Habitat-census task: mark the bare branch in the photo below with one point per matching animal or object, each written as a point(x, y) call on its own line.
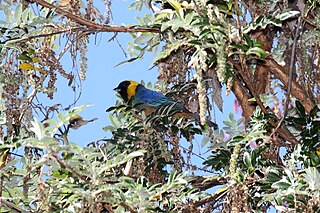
point(90, 24)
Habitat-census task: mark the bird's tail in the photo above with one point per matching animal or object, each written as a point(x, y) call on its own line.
point(183, 112)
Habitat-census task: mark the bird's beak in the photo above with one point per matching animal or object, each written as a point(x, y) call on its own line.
point(116, 89)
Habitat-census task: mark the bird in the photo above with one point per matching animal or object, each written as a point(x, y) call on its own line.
point(149, 100)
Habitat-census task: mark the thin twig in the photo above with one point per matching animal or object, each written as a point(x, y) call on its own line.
point(63, 163)
point(206, 182)
point(1, 187)
point(186, 149)
point(23, 106)
point(55, 32)
point(70, 44)
point(290, 78)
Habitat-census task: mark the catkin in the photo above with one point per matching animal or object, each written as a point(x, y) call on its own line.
point(202, 97)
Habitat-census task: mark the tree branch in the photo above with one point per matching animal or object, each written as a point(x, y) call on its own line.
point(11, 206)
point(243, 99)
point(214, 198)
point(67, 166)
point(297, 91)
point(206, 182)
point(283, 131)
point(90, 24)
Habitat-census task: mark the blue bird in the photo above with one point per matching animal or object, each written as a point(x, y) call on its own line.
point(150, 100)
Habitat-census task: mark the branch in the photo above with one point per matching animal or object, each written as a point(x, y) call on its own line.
point(214, 198)
point(206, 182)
point(10, 205)
point(90, 24)
point(243, 99)
point(56, 32)
point(261, 75)
point(127, 207)
point(67, 166)
point(23, 107)
point(297, 91)
point(283, 131)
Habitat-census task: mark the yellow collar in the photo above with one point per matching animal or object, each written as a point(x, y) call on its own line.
point(131, 90)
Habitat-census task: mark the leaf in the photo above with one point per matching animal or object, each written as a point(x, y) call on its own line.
point(175, 4)
point(8, 14)
point(25, 57)
point(289, 175)
point(239, 46)
point(172, 177)
point(35, 60)
point(25, 15)
point(312, 178)
point(248, 40)
point(217, 92)
point(109, 128)
point(281, 185)
point(258, 44)
point(300, 108)
point(40, 70)
point(247, 159)
point(111, 108)
point(26, 66)
point(204, 141)
point(257, 51)
point(17, 13)
point(38, 129)
point(143, 38)
point(262, 22)
point(119, 160)
point(287, 15)
point(9, 166)
point(134, 155)
point(167, 52)
point(64, 3)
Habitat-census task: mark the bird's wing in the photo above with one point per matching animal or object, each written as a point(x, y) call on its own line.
point(150, 98)
point(153, 98)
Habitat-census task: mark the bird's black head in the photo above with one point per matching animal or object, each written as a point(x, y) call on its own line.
point(122, 89)
point(127, 89)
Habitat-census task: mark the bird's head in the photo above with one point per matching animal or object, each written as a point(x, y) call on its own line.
point(127, 89)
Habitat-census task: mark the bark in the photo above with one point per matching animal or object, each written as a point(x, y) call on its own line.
point(297, 90)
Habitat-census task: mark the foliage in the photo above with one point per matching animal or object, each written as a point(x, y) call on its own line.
point(55, 176)
point(265, 52)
